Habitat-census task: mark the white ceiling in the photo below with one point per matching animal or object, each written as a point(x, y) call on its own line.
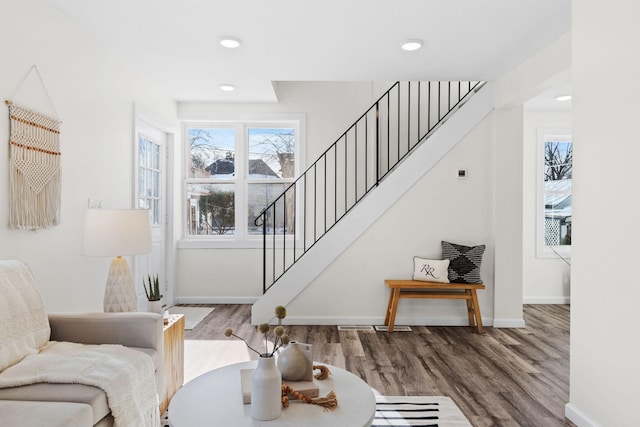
point(175, 42)
point(546, 101)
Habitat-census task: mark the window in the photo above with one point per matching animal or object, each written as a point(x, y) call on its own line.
point(235, 170)
point(555, 181)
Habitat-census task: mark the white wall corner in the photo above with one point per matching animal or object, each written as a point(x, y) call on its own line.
point(509, 323)
point(578, 417)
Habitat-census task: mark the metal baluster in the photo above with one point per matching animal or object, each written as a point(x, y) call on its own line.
point(264, 251)
point(377, 143)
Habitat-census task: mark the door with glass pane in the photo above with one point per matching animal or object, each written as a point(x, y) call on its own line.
point(151, 195)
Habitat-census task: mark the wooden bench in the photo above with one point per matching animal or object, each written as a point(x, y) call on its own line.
point(418, 289)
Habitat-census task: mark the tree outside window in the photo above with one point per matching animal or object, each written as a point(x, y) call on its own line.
point(271, 158)
point(555, 202)
point(558, 160)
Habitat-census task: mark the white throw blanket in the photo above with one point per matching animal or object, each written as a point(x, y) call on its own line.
point(128, 379)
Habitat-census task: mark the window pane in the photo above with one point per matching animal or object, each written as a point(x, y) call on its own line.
point(558, 160)
point(212, 153)
point(156, 184)
point(557, 231)
point(156, 156)
point(155, 217)
point(142, 188)
point(148, 184)
point(262, 195)
point(271, 153)
point(142, 147)
point(149, 150)
point(211, 208)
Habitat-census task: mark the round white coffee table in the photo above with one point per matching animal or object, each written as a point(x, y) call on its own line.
point(215, 398)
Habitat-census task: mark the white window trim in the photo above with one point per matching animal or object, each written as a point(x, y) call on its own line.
point(542, 250)
point(250, 119)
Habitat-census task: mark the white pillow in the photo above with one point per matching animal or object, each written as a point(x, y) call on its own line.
point(431, 270)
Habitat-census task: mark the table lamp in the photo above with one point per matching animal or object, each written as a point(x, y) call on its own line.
point(116, 233)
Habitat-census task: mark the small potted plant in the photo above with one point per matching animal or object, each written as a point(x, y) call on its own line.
point(152, 290)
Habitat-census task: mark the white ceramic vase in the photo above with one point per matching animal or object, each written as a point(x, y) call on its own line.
point(266, 390)
point(295, 362)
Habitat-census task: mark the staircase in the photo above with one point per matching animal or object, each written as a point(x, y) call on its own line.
point(388, 149)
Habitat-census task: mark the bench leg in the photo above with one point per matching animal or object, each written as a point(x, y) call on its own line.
point(386, 318)
point(392, 307)
point(470, 310)
point(476, 308)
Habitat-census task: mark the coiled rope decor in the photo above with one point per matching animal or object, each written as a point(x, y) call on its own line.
point(35, 173)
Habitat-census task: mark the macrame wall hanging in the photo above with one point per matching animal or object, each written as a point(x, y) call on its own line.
point(34, 166)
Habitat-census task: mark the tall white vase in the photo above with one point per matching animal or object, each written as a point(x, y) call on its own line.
point(266, 390)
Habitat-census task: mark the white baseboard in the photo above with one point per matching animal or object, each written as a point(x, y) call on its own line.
point(577, 417)
point(439, 322)
point(327, 320)
point(546, 300)
point(377, 321)
point(216, 300)
point(322, 320)
point(508, 323)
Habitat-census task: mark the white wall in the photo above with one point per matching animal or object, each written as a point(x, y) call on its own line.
point(545, 280)
point(94, 93)
point(605, 348)
point(508, 217)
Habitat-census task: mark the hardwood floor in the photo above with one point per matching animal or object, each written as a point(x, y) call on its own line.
point(505, 377)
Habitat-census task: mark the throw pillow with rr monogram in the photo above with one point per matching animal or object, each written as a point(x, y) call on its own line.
point(431, 270)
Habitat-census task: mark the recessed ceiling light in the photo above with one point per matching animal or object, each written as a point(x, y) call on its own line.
point(563, 97)
point(227, 87)
point(412, 44)
point(230, 42)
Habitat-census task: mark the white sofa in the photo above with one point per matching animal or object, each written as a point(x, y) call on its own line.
point(142, 331)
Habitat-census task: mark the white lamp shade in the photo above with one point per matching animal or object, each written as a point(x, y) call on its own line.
point(116, 232)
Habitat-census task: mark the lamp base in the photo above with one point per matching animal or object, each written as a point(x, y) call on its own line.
point(120, 292)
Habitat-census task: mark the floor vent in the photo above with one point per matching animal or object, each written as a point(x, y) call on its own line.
point(355, 328)
point(396, 328)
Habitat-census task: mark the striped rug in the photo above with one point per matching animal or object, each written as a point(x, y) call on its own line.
point(424, 411)
point(399, 411)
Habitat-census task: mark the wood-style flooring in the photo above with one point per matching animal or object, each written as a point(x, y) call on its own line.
point(505, 377)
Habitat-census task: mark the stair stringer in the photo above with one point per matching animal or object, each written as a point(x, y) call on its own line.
point(374, 204)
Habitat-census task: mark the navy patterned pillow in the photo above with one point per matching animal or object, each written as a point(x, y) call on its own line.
point(464, 262)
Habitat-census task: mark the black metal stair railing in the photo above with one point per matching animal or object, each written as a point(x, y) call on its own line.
point(352, 166)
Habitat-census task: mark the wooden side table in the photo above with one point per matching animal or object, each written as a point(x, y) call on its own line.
point(173, 357)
